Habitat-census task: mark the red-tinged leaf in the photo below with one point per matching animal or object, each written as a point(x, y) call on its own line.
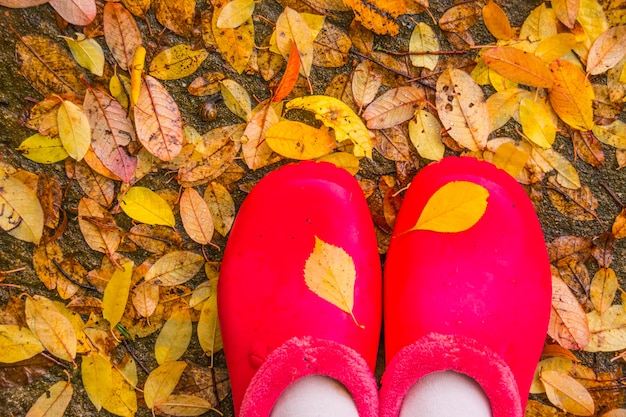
point(519, 66)
point(566, 11)
point(607, 51)
point(76, 12)
point(53, 402)
point(393, 107)
point(290, 76)
point(111, 131)
point(571, 95)
point(121, 33)
point(196, 217)
point(158, 121)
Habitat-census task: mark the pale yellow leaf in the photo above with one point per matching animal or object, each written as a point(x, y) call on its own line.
point(592, 18)
point(209, 334)
point(425, 134)
point(74, 129)
point(116, 294)
point(87, 52)
point(43, 149)
point(536, 122)
point(55, 331)
point(122, 400)
point(603, 288)
point(236, 99)
point(330, 273)
point(146, 206)
point(540, 23)
point(567, 393)
point(53, 402)
point(423, 39)
point(17, 343)
point(184, 405)
point(510, 158)
point(235, 13)
point(97, 376)
point(297, 140)
point(292, 27)
point(613, 134)
point(344, 160)
point(174, 337)
point(221, 205)
point(174, 268)
point(176, 62)
point(21, 213)
point(568, 323)
point(608, 330)
point(549, 364)
point(162, 381)
point(501, 106)
point(196, 216)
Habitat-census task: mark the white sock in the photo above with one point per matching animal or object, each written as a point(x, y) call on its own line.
point(446, 394)
point(315, 396)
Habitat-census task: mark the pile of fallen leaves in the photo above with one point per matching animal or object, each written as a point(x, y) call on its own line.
point(106, 114)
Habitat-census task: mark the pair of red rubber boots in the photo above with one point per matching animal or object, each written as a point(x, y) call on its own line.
point(466, 287)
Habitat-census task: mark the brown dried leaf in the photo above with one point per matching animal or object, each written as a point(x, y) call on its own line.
point(98, 227)
point(393, 107)
point(378, 15)
point(393, 143)
point(576, 275)
point(607, 51)
point(366, 81)
point(50, 195)
point(155, 238)
point(568, 323)
point(96, 186)
point(196, 216)
point(331, 47)
point(221, 205)
point(569, 247)
point(460, 18)
point(206, 84)
point(579, 204)
point(604, 249)
point(174, 268)
point(589, 150)
point(121, 34)
point(44, 257)
point(177, 16)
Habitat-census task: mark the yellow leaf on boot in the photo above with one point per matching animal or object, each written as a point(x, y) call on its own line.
point(453, 208)
point(330, 273)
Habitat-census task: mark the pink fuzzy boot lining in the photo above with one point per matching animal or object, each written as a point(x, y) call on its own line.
point(434, 353)
point(302, 356)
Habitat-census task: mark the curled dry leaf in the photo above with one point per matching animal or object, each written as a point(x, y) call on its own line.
point(462, 109)
point(297, 140)
point(53, 402)
point(174, 337)
point(121, 34)
point(174, 268)
point(568, 323)
point(196, 216)
point(567, 393)
point(393, 107)
point(206, 84)
point(158, 121)
point(176, 62)
point(366, 80)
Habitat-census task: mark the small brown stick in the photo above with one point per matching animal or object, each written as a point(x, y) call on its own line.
point(612, 194)
point(70, 279)
point(135, 358)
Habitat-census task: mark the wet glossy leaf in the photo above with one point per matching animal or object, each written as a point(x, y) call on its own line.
point(74, 129)
point(20, 211)
point(162, 381)
point(519, 66)
point(236, 98)
point(174, 337)
point(568, 323)
point(176, 62)
point(330, 273)
point(366, 80)
point(425, 134)
point(209, 335)
point(87, 52)
point(497, 21)
point(560, 364)
point(184, 405)
point(158, 121)
point(177, 16)
point(18, 343)
point(236, 44)
point(462, 109)
point(297, 140)
point(43, 149)
point(144, 205)
point(53, 402)
point(603, 288)
point(112, 131)
point(608, 330)
point(175, 268)
point(116, 294)
point(196, 216)
point(76, 12)
point(98, 227)
point(97, 376)
point(121, 34)
point(567, 393)
point(344, 160)
point(55, 332)
point(337, 115)
point(571, 95)
point(393, 107)
point(235, 13)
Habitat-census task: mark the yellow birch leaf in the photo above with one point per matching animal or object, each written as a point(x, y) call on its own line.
point(136, 72)
point(603, 288)
point(221, 205)
point(497, 21)
point(20, 210)
point(53, 402)
point(236, 99)
point(567, 175)
point(571, 95)
point(116, 294)
point(613, 134)
point(18, 343)
point(201, 293)
point(453, 208)
point(87, 52)
point(236, 45)
point(519, 66)
point(119, 86)
point(123, 399)
point(146, 298)
point(536, 123)
point(209, 335)
point(607, 51)
point(97, 376)
point(98, 227)
point(255, 150)
point(174, 268)
point(393, 107)
point(501, 106)
point(608, 330)
point(510, 158)
point(344, 160)
point(423, 39)
point(74, 129)
point(292, 27)
point(184, 405)
point(568, 324)
point(162, 381)
point(425, 134)
point(549, 364)
point(462, 110)
point(555, 46)
point(540, 23)
point(55, 332)
point(176, 62)
point(297, 140)
point(196, 216)
point(566, 11)
point(336, 114)
point(174, 337)
point(567, 393)
point(235, 13)
point(43, 149)
point(330, 273)
point(146, 206)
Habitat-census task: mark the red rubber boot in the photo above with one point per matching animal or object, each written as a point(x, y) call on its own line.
point(277, 330)
point(476, 301)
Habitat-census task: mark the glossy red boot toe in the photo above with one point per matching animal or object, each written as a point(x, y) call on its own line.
point(275, 328)
point(475, 301)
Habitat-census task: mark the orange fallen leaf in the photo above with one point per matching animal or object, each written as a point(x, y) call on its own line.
point(571, 95)
point(519, 66)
